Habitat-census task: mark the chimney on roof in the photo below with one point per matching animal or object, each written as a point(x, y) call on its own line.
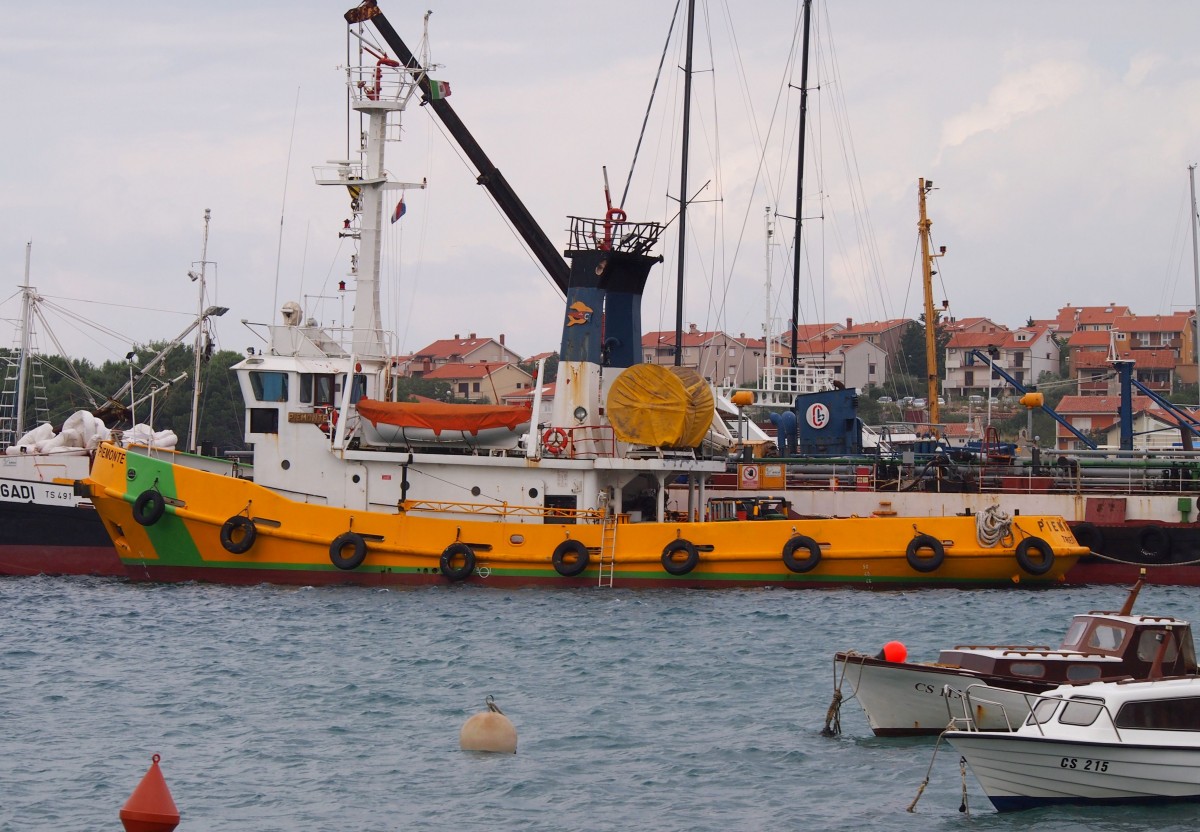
point(849, 323)
point(693, 329)
point(502, 339)
point(456, 336)
point(472, 336)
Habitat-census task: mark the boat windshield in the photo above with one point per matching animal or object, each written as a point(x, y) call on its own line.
point(1071, 641)
point(1106, 637)
point(1081, 710)
point(1042, 711)
point(1149, 643)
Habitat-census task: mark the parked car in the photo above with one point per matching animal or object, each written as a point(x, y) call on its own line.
point(885, 399)
point(906, 401)
point(919, 403)
point(941, 402)
point(975, 399)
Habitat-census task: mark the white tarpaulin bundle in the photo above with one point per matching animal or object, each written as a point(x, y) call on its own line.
point(84, 432)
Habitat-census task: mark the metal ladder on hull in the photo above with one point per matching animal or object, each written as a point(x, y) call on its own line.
point(608, 551)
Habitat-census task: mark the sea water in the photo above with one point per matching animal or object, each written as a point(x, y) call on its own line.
point(340, 708)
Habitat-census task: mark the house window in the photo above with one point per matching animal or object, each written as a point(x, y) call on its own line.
point(969, 378)
point(475, 387)
point(870, 369)
point(1018, 359)
point(1144, 338)
point(1019, 375)
point(1164, 339)
point(732, 371)
point(464, 388)
point(732, 352)
point(1120, 336)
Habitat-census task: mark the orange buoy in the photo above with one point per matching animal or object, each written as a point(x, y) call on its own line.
point(150, 807)
point(893, 651)
point(490, 730)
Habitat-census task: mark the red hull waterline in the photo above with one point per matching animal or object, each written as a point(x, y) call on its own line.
point(24, 560)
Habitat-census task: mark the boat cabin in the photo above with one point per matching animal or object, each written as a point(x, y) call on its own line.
point(1097, 646)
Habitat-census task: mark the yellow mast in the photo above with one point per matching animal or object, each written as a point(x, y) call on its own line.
point(924, 186)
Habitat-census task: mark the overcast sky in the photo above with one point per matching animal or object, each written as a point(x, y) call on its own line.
point(1058, 136)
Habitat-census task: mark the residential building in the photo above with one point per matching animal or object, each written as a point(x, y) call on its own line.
point(481, 381)
point(1091, 415)
point(457, 350)
point(1025, 354)
point(719, 357)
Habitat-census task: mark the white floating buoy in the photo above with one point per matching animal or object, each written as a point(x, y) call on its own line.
point(489, 730)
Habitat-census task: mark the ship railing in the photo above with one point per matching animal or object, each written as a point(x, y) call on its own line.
point(504, 511)
point(611, 234)
point(590, 442)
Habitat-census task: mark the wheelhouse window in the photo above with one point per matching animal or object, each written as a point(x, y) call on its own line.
point(1082, 673)
point(269, 386)
point(1042, 711)
point(1181, 714)
point(1032, 670)
point(316, 389)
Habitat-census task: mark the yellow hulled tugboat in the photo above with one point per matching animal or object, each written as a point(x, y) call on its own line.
point(352, 487)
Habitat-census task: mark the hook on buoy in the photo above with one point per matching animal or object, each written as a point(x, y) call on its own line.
point(150, 808)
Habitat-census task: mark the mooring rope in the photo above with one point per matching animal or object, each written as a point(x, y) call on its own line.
point(992, 525)
point(912, 807)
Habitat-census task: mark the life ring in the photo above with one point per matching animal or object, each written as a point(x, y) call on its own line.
point(923, 563)
point(148, 508)
point(458, 550)
point(555, 441)
point(338, 546)
point(680, 567)
point(1045, 555)
point(1089, 535)
point(801, 542)
point(248, 534)
point(566, 567)
point(1155, 543)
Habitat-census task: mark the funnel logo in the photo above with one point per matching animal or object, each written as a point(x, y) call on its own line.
point(578, 313)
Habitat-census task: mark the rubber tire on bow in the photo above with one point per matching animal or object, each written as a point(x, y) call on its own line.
point(457, 573)
point(1155, 543)
point(149, 507)
point(801, 542)
point(684, 566)
point(570, 568)
point(1035, 567)
point(249, 534)
point(338, 546)
point(921, 563)
point(1089, 535)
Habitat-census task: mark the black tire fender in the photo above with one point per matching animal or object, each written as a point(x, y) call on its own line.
point(801, 542)
point(453, 551)
point(680, 567)
point(1044, 561)
point(1155, 543)
point(922, 563)
point(1089, 535)
point(567, 549)
point(337, 550)
point(149, 507)
point(249, 533)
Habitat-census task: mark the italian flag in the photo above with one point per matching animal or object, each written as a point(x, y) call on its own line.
point(438, 90)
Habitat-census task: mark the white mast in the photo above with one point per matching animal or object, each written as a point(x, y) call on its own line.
point(27, 296)
point(201, 332)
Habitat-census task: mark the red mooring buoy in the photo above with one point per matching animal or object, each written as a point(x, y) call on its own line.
point(150, 807)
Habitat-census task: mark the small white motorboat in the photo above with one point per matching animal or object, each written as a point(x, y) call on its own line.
point(903, 698)
point(1104, 742)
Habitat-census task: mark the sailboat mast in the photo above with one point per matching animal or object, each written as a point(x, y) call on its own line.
point(26, 326)
point(201, 330)
point(924, 186)
point(683, 186)
point(800, 179)
point(1195, 269)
